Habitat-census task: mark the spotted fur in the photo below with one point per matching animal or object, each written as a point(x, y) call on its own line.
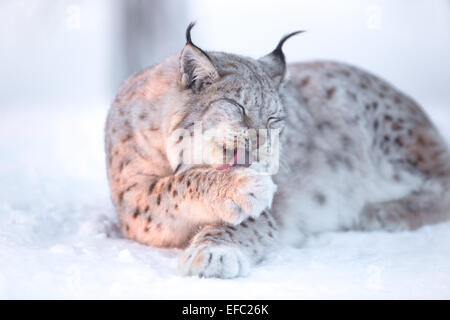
point(356, 154)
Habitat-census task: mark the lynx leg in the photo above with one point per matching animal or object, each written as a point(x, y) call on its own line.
point(411, 212)
point(227, 251)
point(163, 208)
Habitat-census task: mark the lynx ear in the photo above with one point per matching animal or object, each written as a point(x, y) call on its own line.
point(275, 62)
point(196, 67)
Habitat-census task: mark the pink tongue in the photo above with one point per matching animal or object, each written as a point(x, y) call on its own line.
point(233, 161)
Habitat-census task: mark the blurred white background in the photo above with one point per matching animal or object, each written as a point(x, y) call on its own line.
point(77, 50)
point(61, 63)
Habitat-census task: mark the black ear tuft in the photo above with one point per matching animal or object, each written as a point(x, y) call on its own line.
point(196, 68)
point(279, 49)
point(275, 62)
point(188, 32)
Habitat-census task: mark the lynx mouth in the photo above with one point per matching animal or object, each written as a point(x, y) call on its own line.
point(241, 158)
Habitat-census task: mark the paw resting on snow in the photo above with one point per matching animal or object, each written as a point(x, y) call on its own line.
point(210, 261)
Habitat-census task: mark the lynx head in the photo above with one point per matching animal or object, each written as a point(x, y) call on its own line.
point(237, 98)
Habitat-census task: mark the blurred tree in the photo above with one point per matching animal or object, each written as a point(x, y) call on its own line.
point(151, 31)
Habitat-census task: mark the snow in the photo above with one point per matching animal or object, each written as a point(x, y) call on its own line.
point(59, 238)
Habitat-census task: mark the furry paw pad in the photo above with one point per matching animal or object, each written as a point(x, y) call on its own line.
point(213, 261)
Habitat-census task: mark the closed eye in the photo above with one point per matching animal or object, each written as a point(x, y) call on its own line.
point(236, 104)
point(273, 120)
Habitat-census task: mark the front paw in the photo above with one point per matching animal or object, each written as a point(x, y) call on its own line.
point(250, 194)
point(213, 261)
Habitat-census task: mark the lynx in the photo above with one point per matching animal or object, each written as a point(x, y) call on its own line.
point(355, 154)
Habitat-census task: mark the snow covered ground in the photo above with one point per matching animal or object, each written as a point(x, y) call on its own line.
point(58, 234)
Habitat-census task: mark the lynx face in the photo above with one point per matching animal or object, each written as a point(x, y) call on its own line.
point(236, 113)
point(235, 105)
